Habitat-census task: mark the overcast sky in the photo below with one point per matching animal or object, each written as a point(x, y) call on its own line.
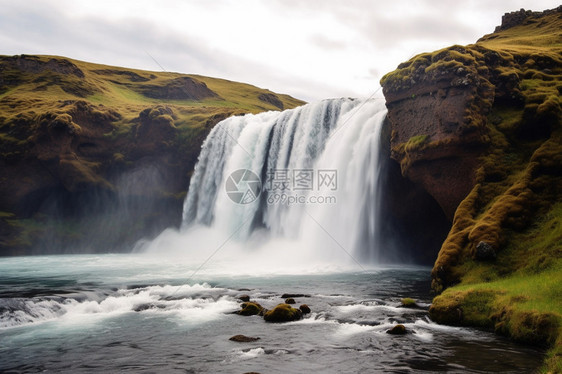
point(312, 49)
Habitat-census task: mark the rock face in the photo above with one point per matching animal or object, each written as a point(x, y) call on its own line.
point(478, 128)
point(95, 154)
point(437, 107)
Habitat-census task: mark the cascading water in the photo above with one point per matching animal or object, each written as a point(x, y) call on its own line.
point(318, 167)
point(316, 207)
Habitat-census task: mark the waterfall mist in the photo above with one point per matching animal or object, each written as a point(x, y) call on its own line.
point(98, 220)
point(318, 195)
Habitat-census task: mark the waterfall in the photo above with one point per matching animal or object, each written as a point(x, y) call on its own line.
point(307, 174)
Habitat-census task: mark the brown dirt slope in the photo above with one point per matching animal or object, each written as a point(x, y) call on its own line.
point(73, 132)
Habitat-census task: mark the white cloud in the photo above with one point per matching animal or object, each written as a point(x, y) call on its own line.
point(309, 49)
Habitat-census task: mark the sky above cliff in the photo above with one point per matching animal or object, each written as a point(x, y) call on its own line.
point(308, 49)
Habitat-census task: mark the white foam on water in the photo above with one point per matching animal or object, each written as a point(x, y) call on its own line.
point(346, 330)
point(355, 308)
point(265, 236)
point(242, 355)
point(196, 303)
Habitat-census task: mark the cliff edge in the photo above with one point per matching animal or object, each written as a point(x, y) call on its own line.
point(102, 154)
point(479, 127)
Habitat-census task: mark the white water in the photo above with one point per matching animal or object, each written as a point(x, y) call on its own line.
point(328, 225)
point(137, 313)
point(171, 308)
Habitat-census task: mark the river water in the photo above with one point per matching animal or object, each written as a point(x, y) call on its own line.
point(144, 313)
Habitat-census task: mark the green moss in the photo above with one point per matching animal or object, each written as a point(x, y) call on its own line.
point(408, 302)
point(6, 215)
point(524, 306)
point(250, 309)
point(282, 313)
point(417, 140)
point(515, 205)
point(118, 90)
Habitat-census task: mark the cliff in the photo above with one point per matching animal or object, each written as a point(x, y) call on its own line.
point(102, 154)
point(479, 127)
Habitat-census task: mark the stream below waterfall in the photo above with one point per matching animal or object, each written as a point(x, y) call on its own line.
point(143, 313)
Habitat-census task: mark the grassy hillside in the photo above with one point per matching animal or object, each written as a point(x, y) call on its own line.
point(37, 84)
point(78, 140)
point(499, 102)
point(515, 206)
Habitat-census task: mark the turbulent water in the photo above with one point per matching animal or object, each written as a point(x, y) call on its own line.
point(316, 168)
point(141, 313)
point(279, 203)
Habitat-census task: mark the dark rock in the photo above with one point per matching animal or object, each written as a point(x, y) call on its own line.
point(287, 295)
point(282, 313)
point(523, 16)
point(250, 309)
point(147, 306)
point(271, 99)
point(243, 339)
point(397, 330)
point(244, 298)
point(142, 307)
point(414, 221)
point(305, 309)
point(290, 300)
point(182, 88)
point(484, 252)
point(438, 122)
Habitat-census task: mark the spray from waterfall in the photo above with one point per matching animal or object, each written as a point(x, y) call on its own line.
point(294, 185)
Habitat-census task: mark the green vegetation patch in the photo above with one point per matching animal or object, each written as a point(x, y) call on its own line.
point(515, 207)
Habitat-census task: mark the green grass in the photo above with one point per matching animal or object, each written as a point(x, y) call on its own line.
point(526, 307)
point(540, 291)
point(85, 120)
point(520, 294)
point(516, 202)
point(121, 90)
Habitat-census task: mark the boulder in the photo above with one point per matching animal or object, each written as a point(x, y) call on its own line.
point(244, 298)
point(290, 300)
point(409, 303)
point(397, 330)
point(305, 309)
point(484, 252)
point(243, 339)
point(287, 295)
point(250, 309)
point(283, 313)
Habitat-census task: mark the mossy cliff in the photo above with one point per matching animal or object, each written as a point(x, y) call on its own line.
point(480, 128)
point(102, 154)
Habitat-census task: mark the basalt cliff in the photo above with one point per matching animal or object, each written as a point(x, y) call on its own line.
point(479, 128)
point(95, 157)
